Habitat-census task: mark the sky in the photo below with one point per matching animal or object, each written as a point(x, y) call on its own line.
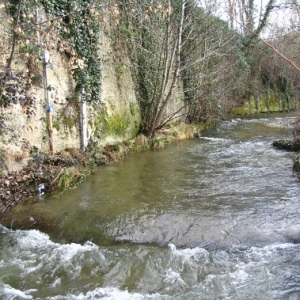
point(278, 18)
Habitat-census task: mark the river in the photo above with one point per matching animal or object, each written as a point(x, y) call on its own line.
point(215, 217)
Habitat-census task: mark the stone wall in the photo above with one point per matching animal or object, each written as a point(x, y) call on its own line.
point(23, 120)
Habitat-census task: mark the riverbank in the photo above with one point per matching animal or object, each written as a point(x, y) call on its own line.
point(66, 169)
point(49, 173)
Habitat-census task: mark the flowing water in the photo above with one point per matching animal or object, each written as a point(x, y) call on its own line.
point(210, 218)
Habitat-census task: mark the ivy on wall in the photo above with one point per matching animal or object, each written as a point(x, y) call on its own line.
point(75, 25)
point(79, 27)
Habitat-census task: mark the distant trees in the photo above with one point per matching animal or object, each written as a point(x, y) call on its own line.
point(285, 77)
point(207, 65)
point(249, 14)
point(261, 79)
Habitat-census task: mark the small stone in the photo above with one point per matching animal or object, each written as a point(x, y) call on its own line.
point(25, 177)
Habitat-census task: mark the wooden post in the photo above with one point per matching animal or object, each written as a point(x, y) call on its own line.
point(46, 58)
point(83, 121)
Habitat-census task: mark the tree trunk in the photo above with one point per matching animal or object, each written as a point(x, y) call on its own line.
point(171, 69)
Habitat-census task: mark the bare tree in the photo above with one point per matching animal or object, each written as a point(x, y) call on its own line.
point(174, 42)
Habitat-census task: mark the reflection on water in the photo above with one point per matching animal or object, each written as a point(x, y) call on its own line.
point(209, 218)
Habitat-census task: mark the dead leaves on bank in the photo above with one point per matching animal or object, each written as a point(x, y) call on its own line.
point(60, 171)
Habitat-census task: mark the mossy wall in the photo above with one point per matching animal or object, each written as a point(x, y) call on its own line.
point(264, 105)
point(117, 117)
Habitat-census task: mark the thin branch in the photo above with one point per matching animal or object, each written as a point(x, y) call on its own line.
point(271, 46)
point(172, 117)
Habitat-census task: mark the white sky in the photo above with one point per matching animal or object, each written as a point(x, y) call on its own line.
point(278, 18)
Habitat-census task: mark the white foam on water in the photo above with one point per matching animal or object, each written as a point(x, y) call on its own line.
point(29, 239)
point(56, 283)
point(267, 252)
point(109, 293)
point(34, 239)
point(281, 122)
point(239, 277)
point(36, 257)
point(10, 293)
point(213, 139)
point(189, 253)
point(35, 252)
point(194, 254)
point(174, 278)
point(235, 270)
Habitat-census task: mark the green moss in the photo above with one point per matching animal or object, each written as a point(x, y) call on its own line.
point(136, 147)
point(122, 123)
point(241, 110)
point(68, 122)
point(116, 124)
point(113, 121)
point(262, 105)
point(120, 68)
point(56, 125)
point(134, 108)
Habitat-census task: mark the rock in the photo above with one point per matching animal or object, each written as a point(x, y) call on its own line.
point(288, 145)
point(41, 189)
point(296, 166)
point(39, 158)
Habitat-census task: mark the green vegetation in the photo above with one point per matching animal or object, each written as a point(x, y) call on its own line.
point(263, 105)
point(78, 26)
point(75, 26)
point(116, 124)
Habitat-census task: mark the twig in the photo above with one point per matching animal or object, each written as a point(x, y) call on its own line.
point(268, 44)
point(52, 182)
point(5, 208)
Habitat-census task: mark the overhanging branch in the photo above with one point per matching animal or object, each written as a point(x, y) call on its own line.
point(269, 45)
